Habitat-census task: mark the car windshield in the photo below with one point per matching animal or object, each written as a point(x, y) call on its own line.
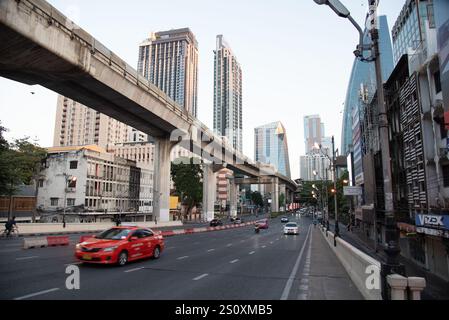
point(114, 234)
point(291, 225)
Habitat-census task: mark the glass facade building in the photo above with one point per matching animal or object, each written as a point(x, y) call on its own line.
point(363, 73)
point(409, 31)
point(270, 147)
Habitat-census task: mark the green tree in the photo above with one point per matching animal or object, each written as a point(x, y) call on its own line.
point(20, 163)
point(187, 177)
point(256, 198)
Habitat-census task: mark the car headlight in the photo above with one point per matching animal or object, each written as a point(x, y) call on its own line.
point(78, 246)
point(109, 249)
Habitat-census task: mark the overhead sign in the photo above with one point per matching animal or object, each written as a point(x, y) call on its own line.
point(352, 191)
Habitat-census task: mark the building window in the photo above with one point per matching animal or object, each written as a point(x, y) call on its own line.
point(73, 164)
point(54, 202)
point(437, 80)
point(72, 184)
point(446, 176)
point(70, 202)
point(41, 183)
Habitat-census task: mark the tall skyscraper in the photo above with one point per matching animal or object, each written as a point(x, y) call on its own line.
point(271, 147)
point(410, 29)
point(227, 94)
point(169, 60)
point(313, 131)
point(363, 73)
point(77, 125)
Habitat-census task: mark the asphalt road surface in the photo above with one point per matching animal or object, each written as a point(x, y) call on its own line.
point(230, 264)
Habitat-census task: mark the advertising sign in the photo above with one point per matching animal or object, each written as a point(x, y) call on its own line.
point(352, 191)
point(432, 221)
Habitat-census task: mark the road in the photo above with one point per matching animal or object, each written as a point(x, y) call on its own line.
point(230, 264)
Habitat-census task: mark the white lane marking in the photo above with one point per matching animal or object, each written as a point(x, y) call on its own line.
point(169, 248)
point(305, 274)
point(234, 261)
point(73, 263)
point(26, 258)
point(271, 242)
point(131, 270)
point(304, 287)
point(263, 246)
point(36, 294)
point(252, 252)
point(201, 276)
point(229, 244)
point(304, 281)
point(184, 257)
point(277, 239)
point(210, 250)
point(289, 283)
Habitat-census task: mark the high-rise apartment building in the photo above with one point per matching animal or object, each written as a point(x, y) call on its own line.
point(363, 73)
point(313, 131)
point(270, 144)
point(410, 29)
point(227, 94)
point(77, 125)
point(169, 60)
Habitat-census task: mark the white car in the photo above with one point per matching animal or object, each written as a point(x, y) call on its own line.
point(291, 228)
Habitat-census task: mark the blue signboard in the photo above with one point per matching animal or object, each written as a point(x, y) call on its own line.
point(432, 221)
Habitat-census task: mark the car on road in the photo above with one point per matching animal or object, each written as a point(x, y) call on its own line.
point(238, 221)
point(119, 245)
point(284, 219)
point(291, 228)
point(263, 224)
point(216, 222)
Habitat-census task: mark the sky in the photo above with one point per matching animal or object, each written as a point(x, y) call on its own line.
point(296, 59)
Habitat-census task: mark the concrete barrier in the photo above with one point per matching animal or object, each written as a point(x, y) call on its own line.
point(58, 241)
point(27, 229)
point(363, 270)
point(29, 243)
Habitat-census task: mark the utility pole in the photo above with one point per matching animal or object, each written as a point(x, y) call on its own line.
point(392, 248)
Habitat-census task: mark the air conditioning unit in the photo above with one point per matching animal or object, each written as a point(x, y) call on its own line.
point(70, 189)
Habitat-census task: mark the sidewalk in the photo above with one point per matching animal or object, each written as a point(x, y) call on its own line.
point(328, 278)
point(436, 288)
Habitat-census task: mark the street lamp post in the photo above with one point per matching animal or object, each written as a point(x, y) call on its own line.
point(392, 249)
point(334, 168)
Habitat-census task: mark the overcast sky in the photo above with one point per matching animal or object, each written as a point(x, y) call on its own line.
point(296, 59)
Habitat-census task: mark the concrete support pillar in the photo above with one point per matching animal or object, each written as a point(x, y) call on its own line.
point(398, 286)
point(275, 195)
point(233, 198)
point(416, 286)
point(283, 189)
point(161, 179)
point(209, 192)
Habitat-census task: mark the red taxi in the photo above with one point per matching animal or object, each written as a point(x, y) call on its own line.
point(263, 224)
point(119, 245)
